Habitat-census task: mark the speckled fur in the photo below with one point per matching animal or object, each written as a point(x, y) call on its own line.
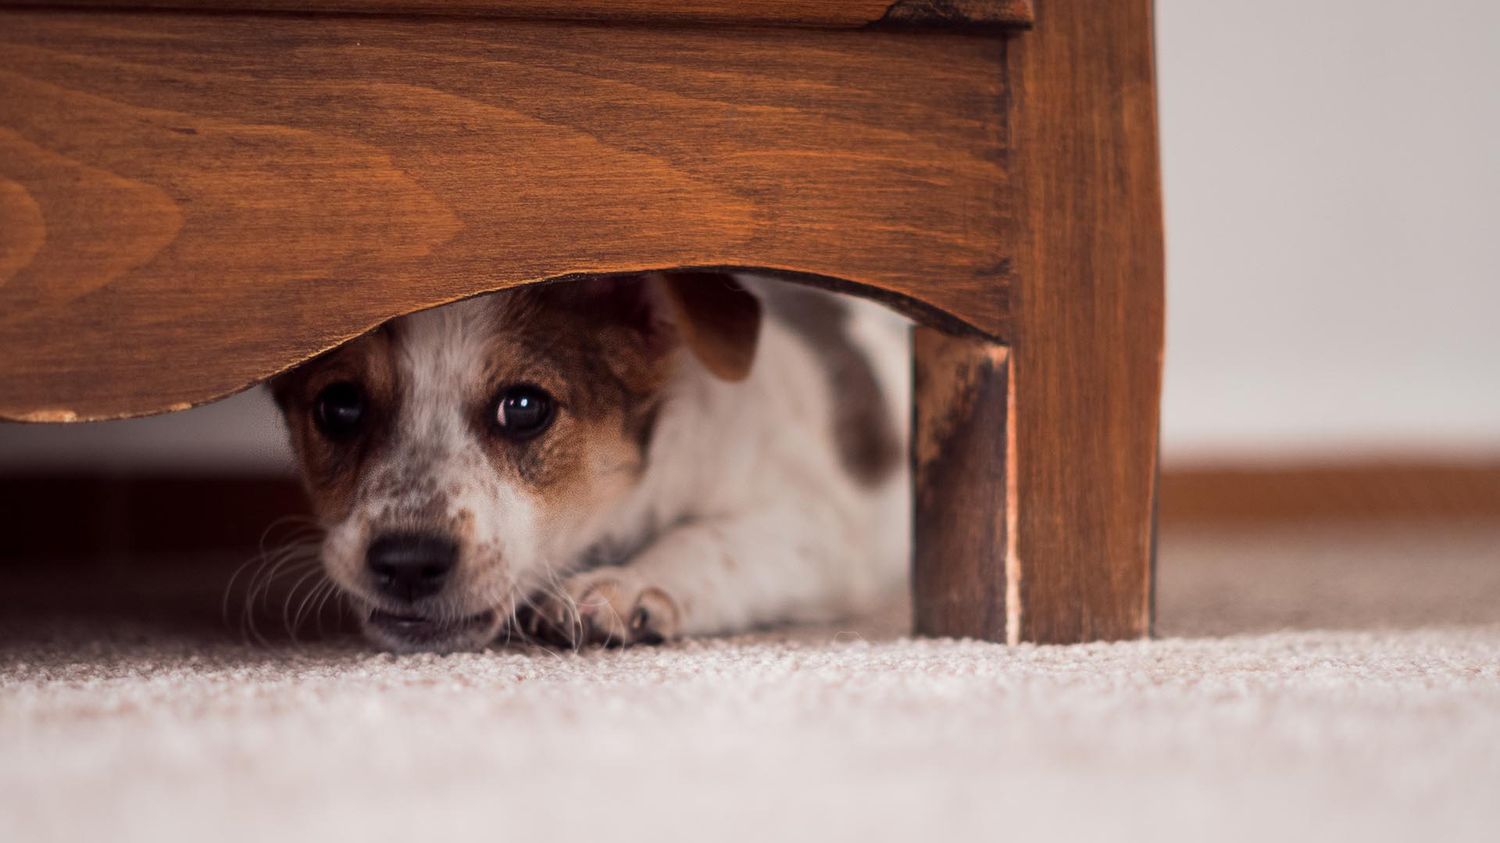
point(663, 501)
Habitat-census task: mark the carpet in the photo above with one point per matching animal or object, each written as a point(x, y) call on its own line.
point(1330, 682)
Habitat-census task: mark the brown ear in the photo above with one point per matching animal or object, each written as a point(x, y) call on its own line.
point(717, 319)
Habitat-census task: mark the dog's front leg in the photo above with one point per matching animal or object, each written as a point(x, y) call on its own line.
point(714, 576)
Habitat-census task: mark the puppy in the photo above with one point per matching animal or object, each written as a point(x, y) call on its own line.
point(616, 461)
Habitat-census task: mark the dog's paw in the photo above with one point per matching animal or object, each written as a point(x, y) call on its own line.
point(610, 606)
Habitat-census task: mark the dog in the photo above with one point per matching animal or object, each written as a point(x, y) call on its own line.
point(616, 461)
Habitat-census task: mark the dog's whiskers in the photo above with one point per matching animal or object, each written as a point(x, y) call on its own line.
point(299, 557)
point(294, 624)
point(332, 591)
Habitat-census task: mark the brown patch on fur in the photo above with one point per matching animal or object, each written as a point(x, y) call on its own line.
point(719, 320)
point(604, 355)
point(331, 470)
point(863, 429)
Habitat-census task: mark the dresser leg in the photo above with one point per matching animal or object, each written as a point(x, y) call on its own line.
point(963, 574)
point(1035, 464)
point(1051, 544)
point(1087, 320)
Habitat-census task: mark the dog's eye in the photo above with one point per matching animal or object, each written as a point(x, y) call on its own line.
point(339, 410)
point(523, 411)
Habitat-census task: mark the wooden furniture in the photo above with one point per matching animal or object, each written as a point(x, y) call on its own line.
point(197, 194)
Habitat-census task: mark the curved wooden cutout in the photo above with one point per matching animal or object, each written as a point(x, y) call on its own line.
point(189, 204)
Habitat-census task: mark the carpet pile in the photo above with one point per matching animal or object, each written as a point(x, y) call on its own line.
point(1314, 684)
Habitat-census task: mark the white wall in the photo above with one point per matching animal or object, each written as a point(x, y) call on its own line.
point(241, 434)
point(1333, 225)
point(1333, 218)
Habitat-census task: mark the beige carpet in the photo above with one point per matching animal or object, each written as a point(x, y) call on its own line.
point(1330, 684)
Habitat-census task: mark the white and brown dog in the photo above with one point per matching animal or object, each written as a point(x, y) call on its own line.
point(621, 460)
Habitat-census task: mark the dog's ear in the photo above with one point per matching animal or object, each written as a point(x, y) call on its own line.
point(709, 313)
point(716, 318)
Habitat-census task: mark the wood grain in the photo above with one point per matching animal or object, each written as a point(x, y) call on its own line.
point(824, 13)
point(192, 203)
point(1088, 305)
point(961, 583)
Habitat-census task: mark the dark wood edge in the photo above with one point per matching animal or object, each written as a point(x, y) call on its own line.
point(959, 14)
point(81, 517)
point(846, 14)
point(965, 578)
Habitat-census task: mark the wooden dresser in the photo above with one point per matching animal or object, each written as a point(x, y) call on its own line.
point(197, 194)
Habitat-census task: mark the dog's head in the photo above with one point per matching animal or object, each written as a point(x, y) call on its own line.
point(459, 456)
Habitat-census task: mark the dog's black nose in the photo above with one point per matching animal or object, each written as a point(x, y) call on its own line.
point(410, 566)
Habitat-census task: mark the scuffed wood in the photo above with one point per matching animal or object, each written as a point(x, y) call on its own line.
point(963, 14)
point(194, 202)
point(960, 469)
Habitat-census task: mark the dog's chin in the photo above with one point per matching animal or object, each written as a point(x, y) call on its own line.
point(414, 633)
